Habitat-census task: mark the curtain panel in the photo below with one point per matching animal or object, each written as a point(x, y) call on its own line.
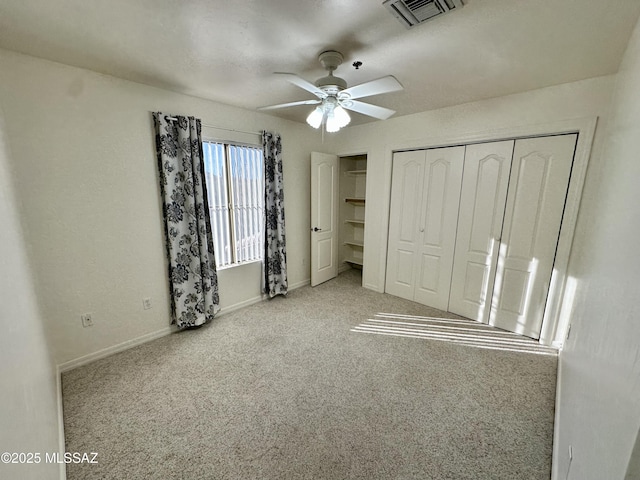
point(193, 280)
point(275, 256)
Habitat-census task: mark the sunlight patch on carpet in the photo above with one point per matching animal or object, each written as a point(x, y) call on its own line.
point(462, 332)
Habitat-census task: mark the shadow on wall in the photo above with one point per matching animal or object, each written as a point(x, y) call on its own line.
point(633, 469)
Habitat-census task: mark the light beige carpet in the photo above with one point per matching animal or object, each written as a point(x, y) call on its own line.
point(297, 388)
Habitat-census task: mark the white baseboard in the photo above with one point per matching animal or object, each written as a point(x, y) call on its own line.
point(258, 299)
point(555, 475)
point(61, 439)
point(302, 283)
point(238, 306)
point(373, 287)
point(343, 268)
point(105, 352)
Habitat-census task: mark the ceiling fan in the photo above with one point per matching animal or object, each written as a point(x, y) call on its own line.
point(334, 98)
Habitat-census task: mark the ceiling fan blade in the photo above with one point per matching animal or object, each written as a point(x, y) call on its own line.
point(302, 83)
point(374, 87)
point(368, 109)
point(291, 104)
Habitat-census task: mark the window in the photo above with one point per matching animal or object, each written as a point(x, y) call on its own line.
point(235, 188)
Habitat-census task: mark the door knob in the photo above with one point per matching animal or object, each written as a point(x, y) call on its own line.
point(316, 229)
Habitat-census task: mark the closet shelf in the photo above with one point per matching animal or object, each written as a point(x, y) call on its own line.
point(355, 200)
point(354, 261)
point(356, 172)
point(354, 243)
point(354, 221)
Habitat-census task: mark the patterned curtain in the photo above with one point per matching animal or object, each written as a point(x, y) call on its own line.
point(275, 255)
point(193, 280)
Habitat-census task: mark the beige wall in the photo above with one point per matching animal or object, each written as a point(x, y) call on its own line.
point(28, 388)
point(599, 388)
point(85, 174)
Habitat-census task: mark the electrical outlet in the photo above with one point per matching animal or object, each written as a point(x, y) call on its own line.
point(87, 320)
point(146, 303)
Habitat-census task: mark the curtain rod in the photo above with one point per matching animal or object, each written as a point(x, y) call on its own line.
point(222, 128)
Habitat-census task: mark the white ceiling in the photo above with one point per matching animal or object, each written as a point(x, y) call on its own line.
point(227, 50)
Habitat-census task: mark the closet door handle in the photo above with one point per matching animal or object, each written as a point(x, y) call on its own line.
point(316, 229)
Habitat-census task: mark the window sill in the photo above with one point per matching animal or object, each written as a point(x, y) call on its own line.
point(234, 265)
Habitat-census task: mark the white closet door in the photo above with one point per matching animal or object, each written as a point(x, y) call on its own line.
point(537, 193)
point(482, 203)
point(324, 217)
point(404, 235)
point(438, 223)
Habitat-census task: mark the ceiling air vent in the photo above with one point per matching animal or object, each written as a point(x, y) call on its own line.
point(413, 12)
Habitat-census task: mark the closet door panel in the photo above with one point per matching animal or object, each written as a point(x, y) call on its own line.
point(404, 235)
point(429, 275)
point(538, 187)
point(484, 192)
point(437, 224)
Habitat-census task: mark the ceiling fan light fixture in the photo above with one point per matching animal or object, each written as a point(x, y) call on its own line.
point(341, 116)
point(332, 124)
point(315, 117)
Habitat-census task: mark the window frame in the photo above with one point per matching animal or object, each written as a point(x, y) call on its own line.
point(230, 200)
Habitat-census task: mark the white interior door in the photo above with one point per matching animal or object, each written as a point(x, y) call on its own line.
point(535, 204)
point(438, 222)
point(404, 235)
point(324, 217)
point(484, 192)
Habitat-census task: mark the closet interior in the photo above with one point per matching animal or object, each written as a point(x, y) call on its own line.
point(352, 205)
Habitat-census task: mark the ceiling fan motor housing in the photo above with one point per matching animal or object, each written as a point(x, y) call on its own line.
point(331, 84)
point(331, 59)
